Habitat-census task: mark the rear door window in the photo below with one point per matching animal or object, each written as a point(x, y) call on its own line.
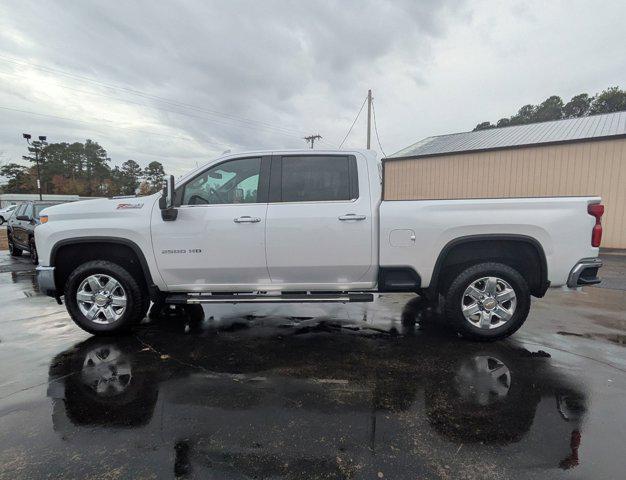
point(315, 178)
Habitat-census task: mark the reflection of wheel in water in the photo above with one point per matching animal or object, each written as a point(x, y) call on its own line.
point(106, 371)
point(116, 383)
point(484, 397)
point(482, 380)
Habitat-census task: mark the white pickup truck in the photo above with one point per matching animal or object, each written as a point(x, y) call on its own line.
point(311, 226)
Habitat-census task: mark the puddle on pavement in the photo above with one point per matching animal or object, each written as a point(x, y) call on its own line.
point(284, 397)
point(272, 395)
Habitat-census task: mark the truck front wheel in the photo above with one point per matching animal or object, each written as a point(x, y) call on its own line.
point(103, 298)
point(487, 301)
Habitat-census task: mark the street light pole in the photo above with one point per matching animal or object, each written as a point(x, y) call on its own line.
point(42, 139)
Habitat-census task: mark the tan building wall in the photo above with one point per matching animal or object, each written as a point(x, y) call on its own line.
point(583, 168)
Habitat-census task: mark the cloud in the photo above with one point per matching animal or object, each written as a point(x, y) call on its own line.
point(181, 82)
point(278, 70)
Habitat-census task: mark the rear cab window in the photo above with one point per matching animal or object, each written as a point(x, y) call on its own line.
point(314, 178)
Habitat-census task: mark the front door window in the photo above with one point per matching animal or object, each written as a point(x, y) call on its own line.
point(236, 181)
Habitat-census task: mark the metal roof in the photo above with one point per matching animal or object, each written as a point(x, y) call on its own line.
point(556, 131)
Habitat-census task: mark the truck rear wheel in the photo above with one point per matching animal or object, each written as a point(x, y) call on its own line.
point(487, 301)
point(103, 298)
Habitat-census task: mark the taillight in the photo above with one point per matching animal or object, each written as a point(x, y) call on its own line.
point(596, 210)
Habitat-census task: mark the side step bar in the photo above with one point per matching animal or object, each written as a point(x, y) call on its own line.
point(194, 298)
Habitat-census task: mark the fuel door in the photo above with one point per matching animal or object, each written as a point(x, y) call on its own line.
point(402, 238)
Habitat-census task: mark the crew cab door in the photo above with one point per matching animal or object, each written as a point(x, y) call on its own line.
point(319, 223)
point(217, 241)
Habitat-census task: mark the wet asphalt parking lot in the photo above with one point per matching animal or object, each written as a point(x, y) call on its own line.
point(313, 391)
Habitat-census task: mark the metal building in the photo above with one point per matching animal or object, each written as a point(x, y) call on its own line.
point(578, 156)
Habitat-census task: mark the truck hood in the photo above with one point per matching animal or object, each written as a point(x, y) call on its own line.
point(102, 208)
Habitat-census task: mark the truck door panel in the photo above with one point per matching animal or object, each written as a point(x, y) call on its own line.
point(218, 240)
point(319, 228)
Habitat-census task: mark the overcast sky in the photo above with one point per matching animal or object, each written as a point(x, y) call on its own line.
point(180, 82)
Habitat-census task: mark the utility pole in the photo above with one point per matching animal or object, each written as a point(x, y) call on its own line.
point(43, 143)
point(369, 118)
point(312, 138)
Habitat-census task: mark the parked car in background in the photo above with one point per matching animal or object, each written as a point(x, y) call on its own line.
point(21, 228)
point(5, 213)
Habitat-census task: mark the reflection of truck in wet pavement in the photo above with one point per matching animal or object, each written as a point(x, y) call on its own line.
point(287, 400)
point(312, 226)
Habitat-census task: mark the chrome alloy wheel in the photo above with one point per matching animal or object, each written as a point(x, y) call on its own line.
point(101, 298)
point(488, 302)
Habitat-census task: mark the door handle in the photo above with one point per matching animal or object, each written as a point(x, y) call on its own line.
point(352, 216)
point(247, 219)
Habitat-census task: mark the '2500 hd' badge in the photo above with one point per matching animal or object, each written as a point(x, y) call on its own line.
point(182, 250)
point(125, 206)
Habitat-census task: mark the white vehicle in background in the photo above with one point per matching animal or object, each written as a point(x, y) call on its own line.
point(312, 226)
point(5, 213)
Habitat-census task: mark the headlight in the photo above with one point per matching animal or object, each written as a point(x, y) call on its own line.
point(43, 219)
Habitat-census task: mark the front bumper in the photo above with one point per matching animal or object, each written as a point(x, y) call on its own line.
point(585, 272)
point(45, 280)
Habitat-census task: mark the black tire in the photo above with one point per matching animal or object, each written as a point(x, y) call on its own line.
point(13, 250)
point(34, 257)
point(135, 298)
point(2, 220)
point(453, 297)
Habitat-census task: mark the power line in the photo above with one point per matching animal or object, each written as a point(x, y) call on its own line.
point(216, 122)
point(97, 94)
point(141, 93)
point(352, 126)
point(376, 128)
point(147, 132)
point(243, 120)
point(157, 107)
point(333, 145)
point(369, 118)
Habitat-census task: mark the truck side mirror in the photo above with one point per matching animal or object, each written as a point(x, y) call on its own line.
point(166, 202)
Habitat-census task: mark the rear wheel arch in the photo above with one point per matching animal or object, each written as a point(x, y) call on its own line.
point(121, 251)
point(520, 252)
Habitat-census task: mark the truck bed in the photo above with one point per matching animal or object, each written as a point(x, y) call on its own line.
point(414, 232)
